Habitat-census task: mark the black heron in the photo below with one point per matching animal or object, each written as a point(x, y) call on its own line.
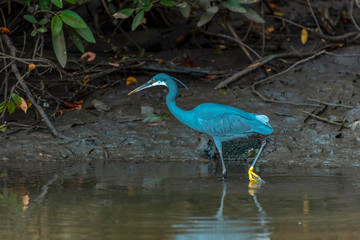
point(221, 122)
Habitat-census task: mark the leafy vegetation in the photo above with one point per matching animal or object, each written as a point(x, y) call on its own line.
point(210, 8)
point(58, 21)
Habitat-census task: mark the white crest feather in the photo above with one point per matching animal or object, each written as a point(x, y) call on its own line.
point(262, 118)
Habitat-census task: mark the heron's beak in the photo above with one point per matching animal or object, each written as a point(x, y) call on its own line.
point(142, 87)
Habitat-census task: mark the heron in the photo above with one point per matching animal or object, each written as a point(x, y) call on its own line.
point(221, 122)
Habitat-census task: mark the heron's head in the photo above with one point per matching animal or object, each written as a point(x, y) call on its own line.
point(158, 80)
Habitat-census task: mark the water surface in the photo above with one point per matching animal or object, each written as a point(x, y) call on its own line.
point(175, 201)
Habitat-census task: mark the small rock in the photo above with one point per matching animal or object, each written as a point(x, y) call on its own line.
point(99, 105)
point(146, 110)
point(353, 114)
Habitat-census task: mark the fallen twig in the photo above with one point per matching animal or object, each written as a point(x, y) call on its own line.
point(313, 15)
point(253, 86)
point(258, 64)
point(323, 119)
point(231, 29)
point(338, 38)
point(331, 104)
point(220, 35)
point(351, 6)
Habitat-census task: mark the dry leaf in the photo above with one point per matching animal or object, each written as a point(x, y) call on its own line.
point(91, 56)
point(114, 64)
point(104, 86)
point(304, 36)
point(23, 105)
point(4, 30)
point(274, 6)
point(73, 106)
point(270, 29)
point(189, 63)
point(211, 76)
point(254, 65)
point(130, 80)
point(280, 14)
point(31, 67)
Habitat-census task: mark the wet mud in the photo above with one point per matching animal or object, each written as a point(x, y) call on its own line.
point(120, 134)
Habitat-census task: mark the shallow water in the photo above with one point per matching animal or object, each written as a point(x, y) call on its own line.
point(174, 201)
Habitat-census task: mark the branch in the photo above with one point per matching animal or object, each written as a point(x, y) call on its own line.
point(26, 89)
point(338, 38)
point(228, 25)
point(258, 64)
point(253, 87)
point(323, 119)
point(331, 104)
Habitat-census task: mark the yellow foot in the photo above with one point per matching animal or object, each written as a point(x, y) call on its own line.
point(254, 177)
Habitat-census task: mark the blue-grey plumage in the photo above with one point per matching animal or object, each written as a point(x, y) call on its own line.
point(221, 122)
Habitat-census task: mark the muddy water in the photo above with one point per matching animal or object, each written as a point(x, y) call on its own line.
point(174, 201)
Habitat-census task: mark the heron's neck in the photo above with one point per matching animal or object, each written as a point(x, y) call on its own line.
point(179, 113)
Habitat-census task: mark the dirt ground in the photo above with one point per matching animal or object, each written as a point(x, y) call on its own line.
point(120, 134)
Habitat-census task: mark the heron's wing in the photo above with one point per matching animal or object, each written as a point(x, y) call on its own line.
point(227, 124)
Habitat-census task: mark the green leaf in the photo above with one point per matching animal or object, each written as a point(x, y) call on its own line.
point(137, 19)
point(58, 41)
point(11, 107)
point(182, 5)
point(111, 7)
point(146, 7)
point(44, 4)
point(30, 9)
point(3, 105)
point(124, 13)
point(205, 3)
point(30, 18)
point(207, 16)
point(33, 33)
point(2, 128)
point(44, 21)
point(57, 3)
point(86, 34)
point(56, 25)
point(185, 11)
point(234, 6)
point(42, 29)
point(252, 15)
point(72, 19)
point(75, 38)
point(71, 1)
point(16, 98)
point(168, 3)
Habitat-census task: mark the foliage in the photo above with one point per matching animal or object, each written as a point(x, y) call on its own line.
point(210, 7)
point(58, 21)
point(11, 103)
point(11, 201)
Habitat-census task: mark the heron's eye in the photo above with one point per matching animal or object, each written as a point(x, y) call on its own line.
point(153, 80)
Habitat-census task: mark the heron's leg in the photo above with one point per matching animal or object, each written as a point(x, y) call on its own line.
point(218, 145)
point(223, 166)
point(253, 176)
